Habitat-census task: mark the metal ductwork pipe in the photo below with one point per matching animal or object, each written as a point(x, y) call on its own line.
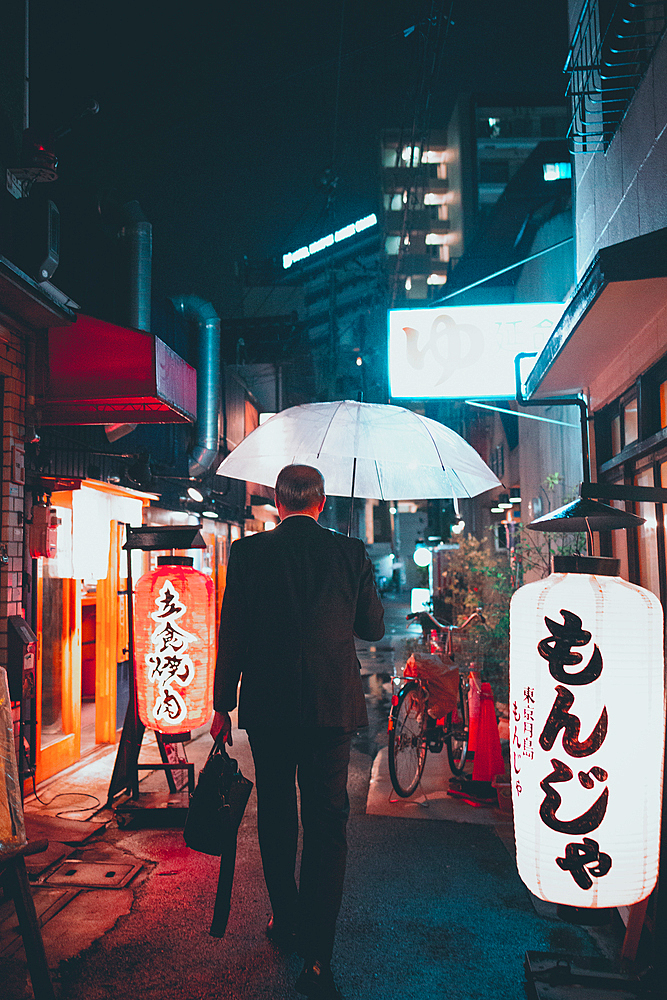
point(202, 313)
point(137, 235)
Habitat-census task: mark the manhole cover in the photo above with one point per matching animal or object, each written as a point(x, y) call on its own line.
point(93, 874)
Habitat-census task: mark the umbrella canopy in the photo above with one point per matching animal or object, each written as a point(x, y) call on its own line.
point(364, 450)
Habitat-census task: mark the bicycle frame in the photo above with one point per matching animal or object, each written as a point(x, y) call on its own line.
point(412, 730)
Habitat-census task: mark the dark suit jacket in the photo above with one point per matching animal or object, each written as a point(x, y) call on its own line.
point(294, 599)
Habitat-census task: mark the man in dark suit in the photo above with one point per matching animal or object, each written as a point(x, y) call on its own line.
point(295, 597)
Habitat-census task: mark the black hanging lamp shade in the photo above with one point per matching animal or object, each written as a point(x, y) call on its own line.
point(585, 515)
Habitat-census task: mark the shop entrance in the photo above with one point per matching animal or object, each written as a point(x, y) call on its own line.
point(81, 623)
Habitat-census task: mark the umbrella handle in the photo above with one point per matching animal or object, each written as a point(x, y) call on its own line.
point(354, 476)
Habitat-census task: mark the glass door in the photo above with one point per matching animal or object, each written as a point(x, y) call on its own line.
point(58, 670)
point(112, 677)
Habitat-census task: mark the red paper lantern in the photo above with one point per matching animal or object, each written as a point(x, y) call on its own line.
point(174, 646)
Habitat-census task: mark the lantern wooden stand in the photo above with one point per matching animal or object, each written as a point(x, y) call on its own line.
point(125, 777)
point(14, 875)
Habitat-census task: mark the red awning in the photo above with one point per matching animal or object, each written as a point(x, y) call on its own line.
point(99, 373)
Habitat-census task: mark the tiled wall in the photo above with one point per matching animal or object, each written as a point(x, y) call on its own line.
point(12, 368)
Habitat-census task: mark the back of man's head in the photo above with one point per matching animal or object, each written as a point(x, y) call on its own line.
point(299, 487)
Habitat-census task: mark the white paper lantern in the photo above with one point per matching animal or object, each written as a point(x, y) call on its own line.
point(587, 725)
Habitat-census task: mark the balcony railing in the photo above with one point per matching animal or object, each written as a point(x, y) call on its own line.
point(611, 49)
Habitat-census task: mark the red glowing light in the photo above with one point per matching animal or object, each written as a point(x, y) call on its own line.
point(174, 648)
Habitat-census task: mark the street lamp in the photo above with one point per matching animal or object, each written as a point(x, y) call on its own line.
point(422, 555)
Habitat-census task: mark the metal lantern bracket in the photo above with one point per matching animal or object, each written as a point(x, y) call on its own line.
point(613, 491)
point(125, 777)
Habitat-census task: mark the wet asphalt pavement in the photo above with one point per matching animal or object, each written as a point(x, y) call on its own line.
point(431, 909)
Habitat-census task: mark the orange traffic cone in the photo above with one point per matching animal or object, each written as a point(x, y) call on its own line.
point(474, 708)
point(488, 755)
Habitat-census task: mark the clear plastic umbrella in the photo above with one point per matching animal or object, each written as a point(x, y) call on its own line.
point(368, 450)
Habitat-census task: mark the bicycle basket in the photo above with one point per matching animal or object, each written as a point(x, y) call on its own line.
point(442, 681)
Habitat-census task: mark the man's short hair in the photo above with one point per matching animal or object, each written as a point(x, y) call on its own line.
point(299, 487)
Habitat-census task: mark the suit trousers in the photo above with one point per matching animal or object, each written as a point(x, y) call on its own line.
point(318, 758)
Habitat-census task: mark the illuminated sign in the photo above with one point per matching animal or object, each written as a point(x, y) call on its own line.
point(328, 241)
point(465, 352)
point(586, 655)
point(174, 648)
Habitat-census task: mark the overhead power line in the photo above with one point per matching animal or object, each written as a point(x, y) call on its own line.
point(503, 270)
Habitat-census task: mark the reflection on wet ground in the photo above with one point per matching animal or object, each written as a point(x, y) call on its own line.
point(379, 661)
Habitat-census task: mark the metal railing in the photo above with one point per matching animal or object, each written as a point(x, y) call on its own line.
point(611, 49)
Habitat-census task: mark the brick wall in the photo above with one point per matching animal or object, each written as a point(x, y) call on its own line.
point(12, 368)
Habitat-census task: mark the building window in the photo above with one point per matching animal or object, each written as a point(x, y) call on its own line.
point(663, 404)
point(552, 127)
point(647, 538)
point(557, 171)
point(410, 156)
point(436, 198)
point(489, 128)
point(494, 171)
point(418, 288)
point(623, 423)
point(630, 422)
point(619, 542)
point(497, 461)
point(616, 446)
point(434, 156)
point(392, 245)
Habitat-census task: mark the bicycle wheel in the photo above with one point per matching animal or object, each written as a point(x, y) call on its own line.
point(407, 743)
point(457, 732)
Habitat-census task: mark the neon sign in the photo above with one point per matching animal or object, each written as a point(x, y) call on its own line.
point(328, 241)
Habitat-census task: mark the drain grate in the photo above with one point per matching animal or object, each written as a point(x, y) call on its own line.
point(93, 874)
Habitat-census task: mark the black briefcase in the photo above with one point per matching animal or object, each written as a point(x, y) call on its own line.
point(217, 804)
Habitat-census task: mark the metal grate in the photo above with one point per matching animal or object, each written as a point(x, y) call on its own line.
point(611, 49)
point(93, 874)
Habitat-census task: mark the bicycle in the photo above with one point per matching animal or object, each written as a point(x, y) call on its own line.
point(412, 730)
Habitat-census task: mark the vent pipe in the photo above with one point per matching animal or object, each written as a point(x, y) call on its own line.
point(203, 315)
point(137, 235)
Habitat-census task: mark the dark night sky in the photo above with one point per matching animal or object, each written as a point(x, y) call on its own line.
point(220, 119)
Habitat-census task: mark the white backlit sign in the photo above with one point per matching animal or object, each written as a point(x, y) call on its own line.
point(465, 352)
point(328, 241)
point(586, 655)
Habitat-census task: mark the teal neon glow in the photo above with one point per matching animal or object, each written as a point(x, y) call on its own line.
point(327, 241)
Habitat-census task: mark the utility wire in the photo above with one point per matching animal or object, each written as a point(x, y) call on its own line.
point(504, 270)
point(337, 100)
